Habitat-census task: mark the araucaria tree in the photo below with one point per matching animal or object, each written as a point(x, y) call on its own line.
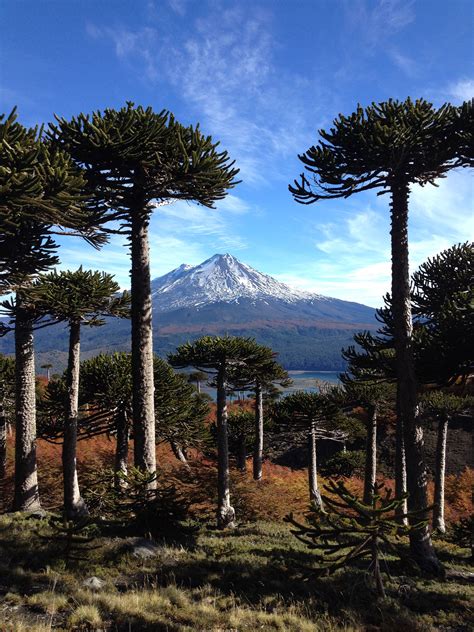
point(79, 298)
point(259, 376)
point(219, 356)
point(389, 147)
point(442, 407)
point(318, 416)
point(135, 160)
point(40, 190)
point(361, 389)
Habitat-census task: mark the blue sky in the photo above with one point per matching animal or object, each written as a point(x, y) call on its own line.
point(262, 77)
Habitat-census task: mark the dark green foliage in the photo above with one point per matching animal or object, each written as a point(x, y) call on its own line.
point(442, 299)
point(462, 534)
point(133, 507)
point(352, 530)
point(161, 158)
point(83, 296)
point(443, 310)
point(301, 410)
point(180, 412)
point(210, 352)
point(40, 189)
point(345, 464)
point(375, 145)
point(106, 395)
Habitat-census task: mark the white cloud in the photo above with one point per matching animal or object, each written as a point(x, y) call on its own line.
point(138, 48)
point(224, 70)
point(377, 21)
point(352, 253)
point(405, 63)
point(462, 90)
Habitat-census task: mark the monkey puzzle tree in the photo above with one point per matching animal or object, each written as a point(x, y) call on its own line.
point(197, 377)
point(180, 411)
point(41, 190)
point(258, 376)
point(106, 407)
point(390, 146)
point(105, 397)
point(443, 407)
point(219, 356)
point(241, 427)
point(443, 310)
point(136, 159)
point(360, 389)
point(318, 416)
point(79, 298)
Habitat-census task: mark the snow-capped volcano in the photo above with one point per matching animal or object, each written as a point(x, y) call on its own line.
point(222, 278)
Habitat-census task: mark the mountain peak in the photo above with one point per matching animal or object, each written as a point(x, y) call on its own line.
point(221, 278)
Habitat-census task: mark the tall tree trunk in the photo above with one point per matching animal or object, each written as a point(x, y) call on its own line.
point(121, 450)
point(179, 453)
point(142, 346)
point(74, 505)
point(420, 540)
point(258, 446)
point(376, 568)
point(3, 442)
point(314, 494)
point(26, 495)
point(225, 511)
point(438, 511)
point(370, 455)
point(242, 453)
point(400, 470)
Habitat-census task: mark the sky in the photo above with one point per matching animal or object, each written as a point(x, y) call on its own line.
point(262, 77)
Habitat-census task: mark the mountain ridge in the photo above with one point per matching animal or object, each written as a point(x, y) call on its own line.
point(225, 296)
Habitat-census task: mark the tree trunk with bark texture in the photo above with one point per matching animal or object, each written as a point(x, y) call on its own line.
point(121, 450)
point(370, 455)
point(74, 505)
point(26, 496)
point(420, 541)
point(142, 345)
point(3, 442)
point(314, 493)
point(258, 446)
point(225, 511)
point(438, 510)
point(400, 470)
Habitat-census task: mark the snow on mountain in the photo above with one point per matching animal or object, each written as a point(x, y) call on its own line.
point(222, 278)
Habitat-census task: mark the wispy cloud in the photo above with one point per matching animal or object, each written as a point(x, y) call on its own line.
point(195, 222)
point(352, 256)
point(408, 65)
point(136, 48)
point(377, 21)
point(461, 90)
point(224, 70)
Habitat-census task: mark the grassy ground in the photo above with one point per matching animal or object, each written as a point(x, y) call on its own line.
point(250, 578)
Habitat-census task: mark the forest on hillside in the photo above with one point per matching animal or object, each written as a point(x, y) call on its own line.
point(129, 500)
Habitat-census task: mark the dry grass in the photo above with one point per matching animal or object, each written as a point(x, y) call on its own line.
point(246, 579)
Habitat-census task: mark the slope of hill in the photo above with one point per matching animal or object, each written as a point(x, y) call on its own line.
point(223, 295)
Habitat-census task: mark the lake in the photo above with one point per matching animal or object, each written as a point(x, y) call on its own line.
point(307, 380)
point(302, 381)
